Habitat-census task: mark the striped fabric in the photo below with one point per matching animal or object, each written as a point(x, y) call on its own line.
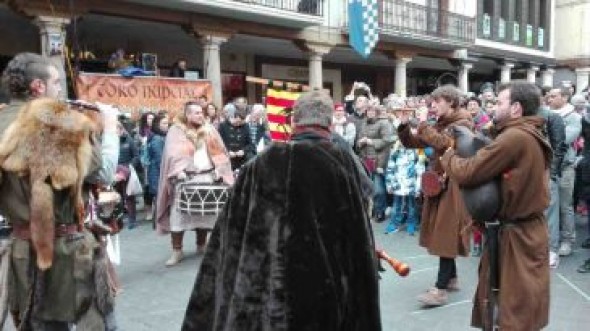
point(278, 119)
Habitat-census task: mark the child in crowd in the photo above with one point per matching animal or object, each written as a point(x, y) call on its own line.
point(402, 179)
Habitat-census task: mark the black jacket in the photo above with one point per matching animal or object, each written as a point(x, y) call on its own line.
point(583, 168)
point(555, 132)
point(128, 151)
point(237, 138)
point(176, 72)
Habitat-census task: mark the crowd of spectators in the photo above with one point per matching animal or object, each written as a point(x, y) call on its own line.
point(369, 126)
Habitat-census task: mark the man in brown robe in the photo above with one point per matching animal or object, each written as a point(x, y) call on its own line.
point(520, 158)
point(444, 217)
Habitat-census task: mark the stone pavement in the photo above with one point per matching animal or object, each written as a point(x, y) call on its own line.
point(155, 297)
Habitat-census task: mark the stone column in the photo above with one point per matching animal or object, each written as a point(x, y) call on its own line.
point(531, 74)
point(316, 53)
point(547, 77)
point(505, 73)
point(52, 33)
point(316, 79)
point(401, 64)
point(212, 65)
point(464, 76)
point(582, 75)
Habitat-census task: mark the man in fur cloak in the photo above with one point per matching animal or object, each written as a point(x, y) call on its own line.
point(293, 248)
point(47, 150)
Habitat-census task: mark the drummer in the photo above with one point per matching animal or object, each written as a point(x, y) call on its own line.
point(194, 149)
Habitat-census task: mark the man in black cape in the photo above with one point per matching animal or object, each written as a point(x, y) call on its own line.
point(293, 248)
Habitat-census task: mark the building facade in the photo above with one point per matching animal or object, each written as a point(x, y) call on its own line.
point(572, 41)
point(423, 43)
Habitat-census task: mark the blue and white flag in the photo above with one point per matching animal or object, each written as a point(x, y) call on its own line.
point(363, 25)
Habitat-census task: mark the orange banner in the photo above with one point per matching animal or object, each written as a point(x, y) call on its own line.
point(140, 94)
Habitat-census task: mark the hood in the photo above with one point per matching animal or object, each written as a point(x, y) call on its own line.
point(462, 116)
point(534, 125)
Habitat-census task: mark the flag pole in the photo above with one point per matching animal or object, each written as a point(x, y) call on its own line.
point(283, 85)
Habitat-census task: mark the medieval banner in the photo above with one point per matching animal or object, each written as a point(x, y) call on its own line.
point(278, 107)
point(141, 94)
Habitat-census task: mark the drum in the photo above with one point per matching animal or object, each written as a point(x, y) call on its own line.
point(200, 199)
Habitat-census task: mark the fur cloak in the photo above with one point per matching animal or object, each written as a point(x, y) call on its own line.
point(50, 143)
point(293, 248)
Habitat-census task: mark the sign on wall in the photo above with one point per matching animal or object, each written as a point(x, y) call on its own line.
point(140, 94)
point(529, 35)
point(516, 32)
point(487, 25)
point(501, 28)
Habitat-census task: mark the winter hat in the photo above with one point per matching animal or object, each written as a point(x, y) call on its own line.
point(313, 108)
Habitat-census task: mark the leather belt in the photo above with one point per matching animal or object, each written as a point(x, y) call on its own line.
point(521, 220)
point(23, 231)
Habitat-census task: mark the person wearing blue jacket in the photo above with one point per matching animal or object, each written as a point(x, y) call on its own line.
point(155, 148)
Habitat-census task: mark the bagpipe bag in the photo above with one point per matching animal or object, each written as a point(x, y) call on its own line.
point(482, 202)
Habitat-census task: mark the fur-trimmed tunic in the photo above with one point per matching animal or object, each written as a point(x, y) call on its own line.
point(179, 151)
point(293, 248)
point(68, 281)
point(444, 218)
point(520, 156)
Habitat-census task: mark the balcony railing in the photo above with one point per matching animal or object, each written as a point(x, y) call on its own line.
point(309, 7)
point(402, 17)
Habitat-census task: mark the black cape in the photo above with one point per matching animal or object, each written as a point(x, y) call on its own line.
point(293, 248)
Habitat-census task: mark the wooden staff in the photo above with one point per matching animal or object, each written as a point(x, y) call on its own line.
point(401, 268)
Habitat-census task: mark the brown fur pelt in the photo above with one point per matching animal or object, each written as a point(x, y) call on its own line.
point(50, 143)
point(196, 135)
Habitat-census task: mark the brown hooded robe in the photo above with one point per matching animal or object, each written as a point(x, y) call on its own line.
point(520, 156)
point(444, 218)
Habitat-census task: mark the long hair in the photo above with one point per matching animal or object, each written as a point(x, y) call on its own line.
point(156, 124)
point(143, 123)
point(206, 113)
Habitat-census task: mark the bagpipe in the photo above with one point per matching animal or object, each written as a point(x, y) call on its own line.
point(105, 212)
point(483, 203)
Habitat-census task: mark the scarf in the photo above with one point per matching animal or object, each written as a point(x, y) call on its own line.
point(565, 110)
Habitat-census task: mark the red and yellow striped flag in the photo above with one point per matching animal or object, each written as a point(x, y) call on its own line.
point(278, 119)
